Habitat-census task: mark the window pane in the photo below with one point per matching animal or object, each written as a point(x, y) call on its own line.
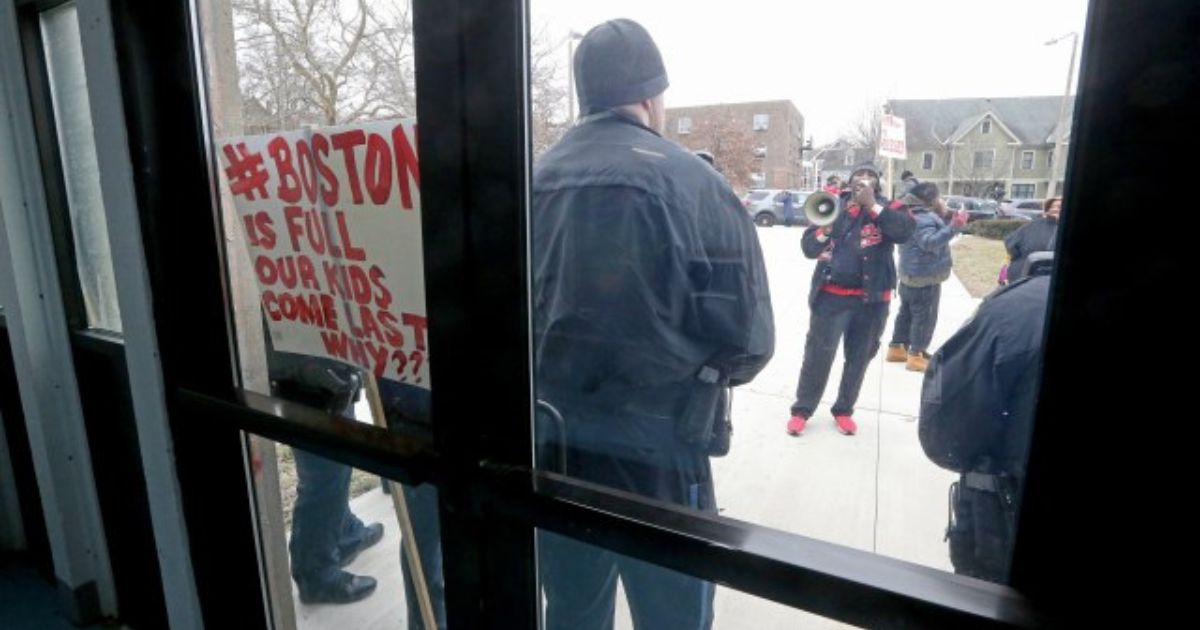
point(868, 405)
point(77, 150)
point(334, 545)
point(312, 105)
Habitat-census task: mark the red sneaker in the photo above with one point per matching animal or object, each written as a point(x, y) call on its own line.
point(796, 425)
point(845, 424)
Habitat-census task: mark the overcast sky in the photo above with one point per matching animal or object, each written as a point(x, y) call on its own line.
point(831, 58)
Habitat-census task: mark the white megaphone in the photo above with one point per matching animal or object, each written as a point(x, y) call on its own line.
point(821, 208)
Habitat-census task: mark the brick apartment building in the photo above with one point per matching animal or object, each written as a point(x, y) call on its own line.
point(776, 130)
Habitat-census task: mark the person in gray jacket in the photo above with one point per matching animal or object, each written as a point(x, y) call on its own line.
point(924, 265)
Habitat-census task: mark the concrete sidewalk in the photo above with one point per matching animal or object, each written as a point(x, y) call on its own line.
point(874, 491)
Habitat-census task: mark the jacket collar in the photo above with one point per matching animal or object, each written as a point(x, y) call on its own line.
point(615, 116)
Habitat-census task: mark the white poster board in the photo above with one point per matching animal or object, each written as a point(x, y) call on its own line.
point(891, 138)
point(332, 218)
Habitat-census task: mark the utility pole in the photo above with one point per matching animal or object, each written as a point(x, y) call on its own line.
point(1059, 165)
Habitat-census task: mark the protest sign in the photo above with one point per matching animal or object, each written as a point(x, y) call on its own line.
point(332, 218)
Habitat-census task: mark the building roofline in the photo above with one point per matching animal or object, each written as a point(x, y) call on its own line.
point(781, 101)
point(954, 139)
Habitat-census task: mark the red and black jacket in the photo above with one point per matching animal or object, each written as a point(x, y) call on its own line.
point(857, 258)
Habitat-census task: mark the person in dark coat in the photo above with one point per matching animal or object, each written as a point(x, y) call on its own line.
point(907, 182)
point(649, 298)
point(1036, 236)
point(925, 264)
point(851, 290)
point(407, 409)
point(833, 185)
point(326, 535)
point(977, 409)
point(789, 208)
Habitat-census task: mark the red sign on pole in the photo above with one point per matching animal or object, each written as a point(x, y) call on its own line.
point(891, 138)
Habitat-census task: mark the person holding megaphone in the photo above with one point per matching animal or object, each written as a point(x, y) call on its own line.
point(853, 242)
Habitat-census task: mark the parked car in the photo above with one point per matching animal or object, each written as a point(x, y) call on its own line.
point(765, 206)
point(976, 208)
point(1028, 209)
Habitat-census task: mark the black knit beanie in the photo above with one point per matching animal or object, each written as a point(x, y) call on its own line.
point(617, 63)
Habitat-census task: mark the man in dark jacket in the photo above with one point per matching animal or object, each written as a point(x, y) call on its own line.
point(924, 265)
point(851, 289)
point(789, 208)
point(326, 535)
point(1036, 236)
point(977, 408)
point(649, 296)
point(907, 182)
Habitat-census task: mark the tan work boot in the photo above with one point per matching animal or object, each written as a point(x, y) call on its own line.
point(917, 362)
point(896, 353)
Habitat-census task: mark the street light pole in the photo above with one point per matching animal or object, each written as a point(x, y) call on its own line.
point(1059, 164)
point(816, 182)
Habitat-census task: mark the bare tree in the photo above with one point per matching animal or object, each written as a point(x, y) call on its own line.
point(732, 145)
point(863, 134)
point(326, 61)
point(549, 118)
point(391, 58)
point(331, 62)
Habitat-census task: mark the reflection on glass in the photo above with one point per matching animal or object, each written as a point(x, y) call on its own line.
point(902, 198)
point(77, 149)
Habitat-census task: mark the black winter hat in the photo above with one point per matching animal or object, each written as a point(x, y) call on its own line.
point(617, 63)
point(870, 166)
point(867, 166)
point(927, 192)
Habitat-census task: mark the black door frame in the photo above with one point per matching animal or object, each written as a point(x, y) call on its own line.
point(471, 96)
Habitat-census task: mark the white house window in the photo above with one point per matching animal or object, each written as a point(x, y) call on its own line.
point(1027, 160)
point(1023, 191)
point(986, 128)
point(761, 122)
point(1050, 158)
point(758, 179)
point(985, 159)
point(927, 161)
point(849, 158)
point(685, 126)
point(760, 152)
